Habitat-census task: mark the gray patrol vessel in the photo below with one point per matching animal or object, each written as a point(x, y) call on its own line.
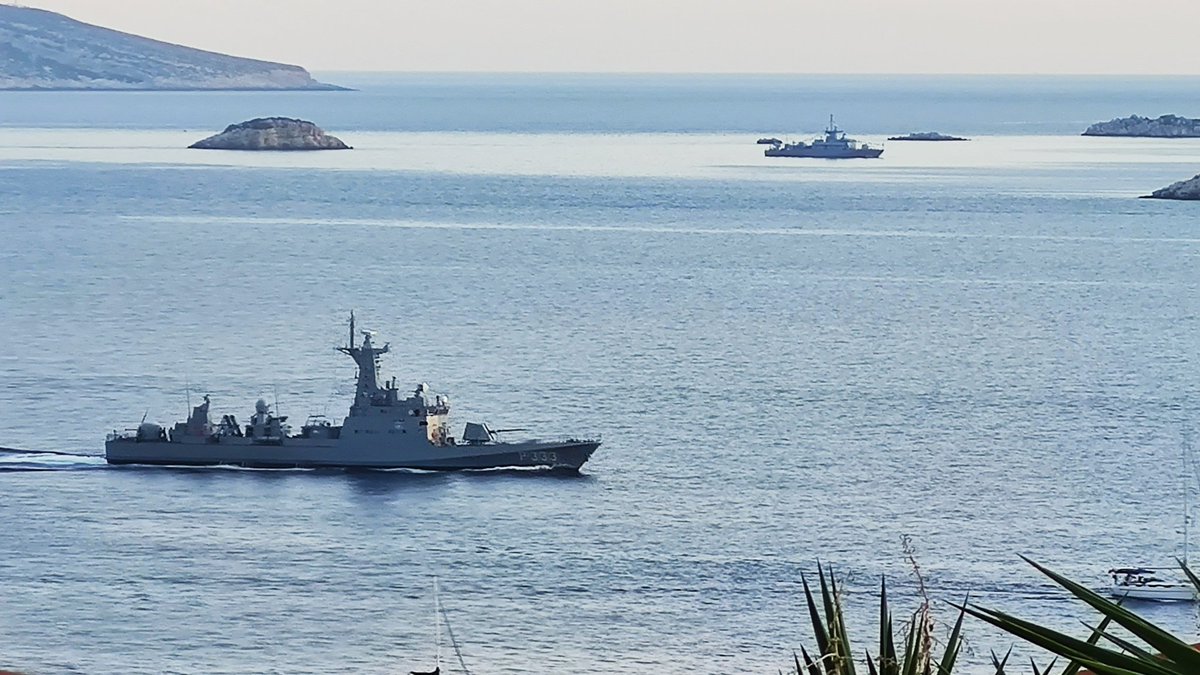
point(382, 431)
point(835, 145)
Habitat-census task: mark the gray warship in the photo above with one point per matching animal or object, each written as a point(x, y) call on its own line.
point(835, 145)
point(381, 431)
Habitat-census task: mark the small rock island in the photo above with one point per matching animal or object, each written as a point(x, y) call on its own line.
point(1185, 189)
point(1166, 126)
point(927, 136)
point(271, 133)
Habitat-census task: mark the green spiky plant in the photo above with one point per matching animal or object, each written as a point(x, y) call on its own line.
point(835, 656)
point(1119, 656)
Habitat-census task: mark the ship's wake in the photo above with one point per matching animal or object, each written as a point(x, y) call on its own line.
point(13, 459)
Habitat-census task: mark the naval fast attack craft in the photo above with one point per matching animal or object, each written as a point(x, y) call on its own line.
point(383, 430)
point(835, 145)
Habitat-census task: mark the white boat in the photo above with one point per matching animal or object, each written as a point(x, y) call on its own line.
point(1142, 583)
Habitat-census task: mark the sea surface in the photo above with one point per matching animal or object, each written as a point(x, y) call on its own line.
point(989, 347)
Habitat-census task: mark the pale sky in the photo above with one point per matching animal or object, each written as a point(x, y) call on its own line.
point(721, 36)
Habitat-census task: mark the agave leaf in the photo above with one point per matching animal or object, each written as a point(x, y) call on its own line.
point(826, 596)
point(810, 666)
point(1000, 663)
point(840, 657)
point(833, 662)
point(1103, 661)
point(910, 649)
point(871, 665)
point(1096, 658)
point(887, 645)
point(891, 657)
point(1042, 671)
point(1172, 648)
point(1074, 666)
point(818, 624)
point(946, 667)
point(845, 656)
point(1102, 669)
point(1128, 647)
point(1191, 577)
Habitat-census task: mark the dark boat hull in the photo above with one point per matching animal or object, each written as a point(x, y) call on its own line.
point(864, 153)
point(568, 455)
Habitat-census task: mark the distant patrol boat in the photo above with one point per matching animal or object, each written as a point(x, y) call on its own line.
point(835, 145)
point(381, 431)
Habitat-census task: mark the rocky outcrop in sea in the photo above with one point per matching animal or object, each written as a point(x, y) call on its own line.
point(927, 136)
point(271, 133)
point(1166, 126)
point(45, 50)
point(1184, 189)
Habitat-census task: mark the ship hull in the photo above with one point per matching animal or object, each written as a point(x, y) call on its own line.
point(867, 153)
point(1156, 592)
point(296, 454)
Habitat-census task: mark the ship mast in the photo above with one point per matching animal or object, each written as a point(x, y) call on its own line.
point(367, 359)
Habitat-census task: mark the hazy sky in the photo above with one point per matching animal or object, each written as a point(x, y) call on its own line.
point(770, 36)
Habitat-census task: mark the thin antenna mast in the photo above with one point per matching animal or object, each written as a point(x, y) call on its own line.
point(453, 642)
point(437, 627)
point(1187, 480)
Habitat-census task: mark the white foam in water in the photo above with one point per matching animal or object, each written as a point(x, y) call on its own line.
point(12, 460)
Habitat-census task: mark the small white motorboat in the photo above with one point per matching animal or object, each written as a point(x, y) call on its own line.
point(1141, 583)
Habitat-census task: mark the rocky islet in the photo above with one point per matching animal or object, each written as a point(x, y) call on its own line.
point(271, 133)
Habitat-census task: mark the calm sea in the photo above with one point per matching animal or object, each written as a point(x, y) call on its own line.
point(987, 346)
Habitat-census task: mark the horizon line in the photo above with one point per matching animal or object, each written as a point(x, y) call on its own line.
point(737, 73)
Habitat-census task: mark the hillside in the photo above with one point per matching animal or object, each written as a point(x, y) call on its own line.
point(45, 50)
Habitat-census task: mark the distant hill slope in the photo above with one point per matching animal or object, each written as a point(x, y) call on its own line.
point(45, 50)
